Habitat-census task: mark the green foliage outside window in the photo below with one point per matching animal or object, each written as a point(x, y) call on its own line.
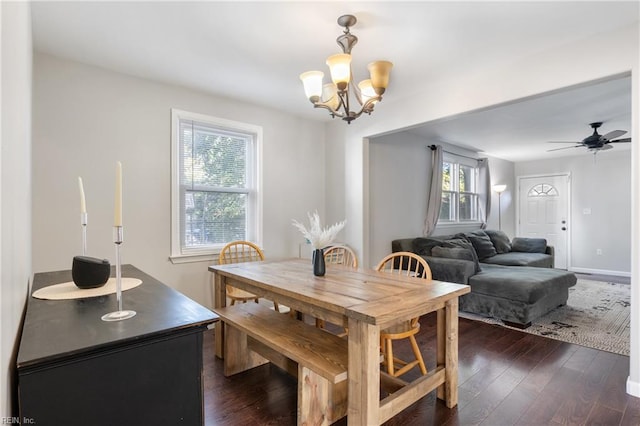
point(215, 187)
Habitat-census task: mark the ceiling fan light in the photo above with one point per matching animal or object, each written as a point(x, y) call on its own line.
point(312, 82)
point(379, 72)
point(340, 67)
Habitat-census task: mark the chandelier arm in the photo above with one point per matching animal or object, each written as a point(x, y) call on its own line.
point(369, 105)
point(332, 111)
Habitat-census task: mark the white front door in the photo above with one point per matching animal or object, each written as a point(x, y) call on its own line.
point(543, 212)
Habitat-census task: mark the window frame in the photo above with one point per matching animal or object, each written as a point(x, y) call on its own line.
point(456, 193)
point(180, 254)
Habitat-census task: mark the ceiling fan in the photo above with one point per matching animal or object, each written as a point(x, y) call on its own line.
point(596, 142)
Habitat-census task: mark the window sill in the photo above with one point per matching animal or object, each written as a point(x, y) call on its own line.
point(192, 258)
point(459, 225)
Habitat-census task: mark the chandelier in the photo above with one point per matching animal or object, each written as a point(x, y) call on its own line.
point(335, 96)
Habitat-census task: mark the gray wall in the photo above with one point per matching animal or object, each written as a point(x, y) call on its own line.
point(86, 118)
point(603, 185)
point(399, 178)
point(15, 195)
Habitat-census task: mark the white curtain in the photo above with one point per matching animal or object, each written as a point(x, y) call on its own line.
point(434, 199)
point(484, 191)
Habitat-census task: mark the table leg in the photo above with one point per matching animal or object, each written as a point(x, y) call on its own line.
point(364, 373)
point(441, 334)
point(451, 353)
point(220, 301)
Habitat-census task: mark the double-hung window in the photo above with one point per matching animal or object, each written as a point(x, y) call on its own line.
point(459, 191)
point(215, 197)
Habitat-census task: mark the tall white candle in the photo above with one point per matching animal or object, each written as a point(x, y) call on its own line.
point(83, 205)
point(117, 221)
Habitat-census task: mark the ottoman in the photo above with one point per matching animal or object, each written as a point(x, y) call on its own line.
point(517, 294)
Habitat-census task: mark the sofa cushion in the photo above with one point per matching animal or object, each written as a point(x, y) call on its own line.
point(452, 253)
point(529, 245)
point(524, 284)
point(515, 258)
point(461, 242)
point(451, 270)
point(481, 243)
point(500, 241)
point(423, 246)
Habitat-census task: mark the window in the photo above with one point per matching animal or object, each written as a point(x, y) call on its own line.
point(215, 197)
point(543, 190)
point(459, 192)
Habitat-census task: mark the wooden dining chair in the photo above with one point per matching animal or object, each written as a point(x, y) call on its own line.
point(409, 264)
point(339, 255)
point(239, 252)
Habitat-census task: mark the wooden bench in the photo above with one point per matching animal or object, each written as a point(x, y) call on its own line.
point(255, 335)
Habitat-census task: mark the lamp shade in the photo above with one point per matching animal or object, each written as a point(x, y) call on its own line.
point(379, 72)
point(340, 67)
point(330, 96)
point(312, 82)
point(499, 188)
point(366, 90)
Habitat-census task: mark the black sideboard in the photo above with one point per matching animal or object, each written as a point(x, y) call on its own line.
point(75, 369)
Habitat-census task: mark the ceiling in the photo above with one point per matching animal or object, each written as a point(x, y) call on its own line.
point(522, 130)
point(255, 51)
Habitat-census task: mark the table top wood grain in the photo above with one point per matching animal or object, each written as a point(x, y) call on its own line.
point(374, 297)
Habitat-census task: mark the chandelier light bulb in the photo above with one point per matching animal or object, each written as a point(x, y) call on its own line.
point(340, 67)
point(312, 81)
point(330, 96)
point(366, 90)
point(379, 72)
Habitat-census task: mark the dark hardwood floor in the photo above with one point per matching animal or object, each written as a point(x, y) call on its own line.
point(506, 377)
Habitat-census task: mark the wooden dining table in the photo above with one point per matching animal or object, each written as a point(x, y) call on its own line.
point(365, 301)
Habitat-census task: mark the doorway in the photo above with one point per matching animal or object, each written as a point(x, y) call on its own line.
point(543, 212)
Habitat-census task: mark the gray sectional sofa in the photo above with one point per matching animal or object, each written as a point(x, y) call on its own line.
point(512, 280)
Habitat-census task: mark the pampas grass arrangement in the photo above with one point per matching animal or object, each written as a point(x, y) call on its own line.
point(317, 236)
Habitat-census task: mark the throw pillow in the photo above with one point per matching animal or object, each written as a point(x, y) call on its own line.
point(500, 241)
point(461, 242)
point(482, 243)
point(423, 246)
point(529, 245)
point(452, 253)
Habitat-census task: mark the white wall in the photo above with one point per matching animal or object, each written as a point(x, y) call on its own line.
point(15, 192)
point(86, 118)
point(399, 177)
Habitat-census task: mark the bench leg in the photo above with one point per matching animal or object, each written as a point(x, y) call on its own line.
point(319, 402)
point(237, 355)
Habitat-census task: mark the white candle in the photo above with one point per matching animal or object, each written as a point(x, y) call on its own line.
point(117, 221)
point(83, 205)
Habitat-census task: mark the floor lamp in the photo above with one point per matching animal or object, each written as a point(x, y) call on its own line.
point(499, 189)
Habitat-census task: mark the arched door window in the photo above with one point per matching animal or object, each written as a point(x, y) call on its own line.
point(543, 190)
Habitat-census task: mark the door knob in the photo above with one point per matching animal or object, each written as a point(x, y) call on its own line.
point(564, 228)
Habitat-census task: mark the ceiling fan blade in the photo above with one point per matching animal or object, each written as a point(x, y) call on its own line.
point(613, 134)
point(620, 140)
point(566, 147)
point(564, 142)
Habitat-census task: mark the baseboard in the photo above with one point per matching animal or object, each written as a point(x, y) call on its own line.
point(600, 272)
point(633, 388)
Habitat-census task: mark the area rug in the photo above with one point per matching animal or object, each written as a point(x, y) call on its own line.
point(597, 315)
